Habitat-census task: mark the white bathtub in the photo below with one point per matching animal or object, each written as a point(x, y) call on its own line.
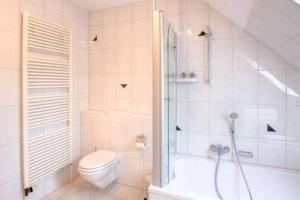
point(195, 181)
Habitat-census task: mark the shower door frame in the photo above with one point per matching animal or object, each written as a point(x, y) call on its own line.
point(158, 95)
point(162, 144)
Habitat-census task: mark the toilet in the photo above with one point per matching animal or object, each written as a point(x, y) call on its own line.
point(100, 168)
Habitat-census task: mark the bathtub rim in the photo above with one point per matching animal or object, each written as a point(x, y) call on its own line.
point(168, 193)
point(174, 195)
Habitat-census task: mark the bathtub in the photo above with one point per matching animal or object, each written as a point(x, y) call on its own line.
point(194, 180)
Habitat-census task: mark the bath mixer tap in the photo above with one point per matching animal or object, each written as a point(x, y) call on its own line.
point(220, 149)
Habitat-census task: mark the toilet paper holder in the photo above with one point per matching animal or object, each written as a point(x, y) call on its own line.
point(141, 142)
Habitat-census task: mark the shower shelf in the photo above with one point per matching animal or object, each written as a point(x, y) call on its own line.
point(186, 80)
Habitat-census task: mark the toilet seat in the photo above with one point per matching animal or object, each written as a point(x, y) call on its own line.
point(97, 161)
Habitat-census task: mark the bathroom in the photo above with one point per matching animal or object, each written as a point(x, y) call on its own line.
point(150, 99)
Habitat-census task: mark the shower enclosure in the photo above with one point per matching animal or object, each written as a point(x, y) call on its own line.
point(191, 175)
point(165, 85)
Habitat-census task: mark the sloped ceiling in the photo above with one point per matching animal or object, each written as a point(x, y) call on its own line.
point(276, 23)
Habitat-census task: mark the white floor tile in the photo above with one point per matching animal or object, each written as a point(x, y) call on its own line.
point(81, 190)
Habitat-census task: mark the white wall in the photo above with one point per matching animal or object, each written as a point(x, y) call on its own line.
point(246, 78)
point(10, 87)
point(122, 55)
point(275, 23)
point(10, 100)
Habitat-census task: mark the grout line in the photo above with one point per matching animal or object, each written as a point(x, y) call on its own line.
point(258, 103)
point(282, 13)
point(10, 143)
point(232, 84)
point(285, 124)
point(11, 180)
point(10, 106)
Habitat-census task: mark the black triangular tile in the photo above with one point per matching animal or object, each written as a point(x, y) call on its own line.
point(270, 128)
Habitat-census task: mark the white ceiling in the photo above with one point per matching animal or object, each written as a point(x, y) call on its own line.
point(99, 4)
point(276, 23)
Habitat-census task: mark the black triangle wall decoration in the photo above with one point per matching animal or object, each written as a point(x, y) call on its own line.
point(270, 128)
point(124, 85)
point(95, 38)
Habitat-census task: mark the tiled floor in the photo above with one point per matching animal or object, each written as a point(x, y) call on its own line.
point(81, 190)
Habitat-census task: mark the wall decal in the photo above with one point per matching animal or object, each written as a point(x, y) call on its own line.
point(270, 128)
point(95, 38)
point(124, 85)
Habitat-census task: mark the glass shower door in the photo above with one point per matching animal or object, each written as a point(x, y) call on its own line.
point(170, 99)
point(164, 99)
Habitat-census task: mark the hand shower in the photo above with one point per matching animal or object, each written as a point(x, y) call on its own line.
point(233, 117)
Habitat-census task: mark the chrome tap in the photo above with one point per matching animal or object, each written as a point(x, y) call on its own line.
point(220, 149)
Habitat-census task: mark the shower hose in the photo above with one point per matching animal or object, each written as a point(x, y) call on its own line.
point(240, 167)
point(216, 177)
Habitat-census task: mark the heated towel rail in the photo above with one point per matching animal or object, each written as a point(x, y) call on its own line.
point(46, 98)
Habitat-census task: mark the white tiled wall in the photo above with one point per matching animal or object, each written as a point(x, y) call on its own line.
point(282, 33)
point(275, 23)
point(10, 100)
point(60, 11)
point(121, 55)
point(246, 77)
point(116, 131)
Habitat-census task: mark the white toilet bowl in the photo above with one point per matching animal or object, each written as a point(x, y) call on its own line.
point(100, 168)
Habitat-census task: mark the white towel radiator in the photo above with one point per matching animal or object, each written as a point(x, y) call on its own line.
point(46, 98)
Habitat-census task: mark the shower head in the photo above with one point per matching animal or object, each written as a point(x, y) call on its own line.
point(202, 33)
point(205, 34)
point(208, 33)
point(234, 116)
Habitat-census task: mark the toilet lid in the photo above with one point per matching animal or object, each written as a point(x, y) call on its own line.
point(97, 159)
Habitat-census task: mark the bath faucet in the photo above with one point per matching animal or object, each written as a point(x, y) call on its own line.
point(220, 149)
